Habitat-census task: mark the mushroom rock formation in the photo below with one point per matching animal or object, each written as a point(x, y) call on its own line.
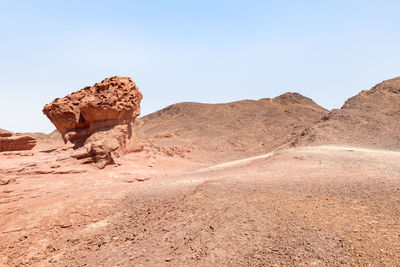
point(106, 110)
point(11, 142)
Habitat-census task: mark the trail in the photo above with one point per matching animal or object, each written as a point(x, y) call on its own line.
point(236, 162)
point(363, 150)
point(267, 155)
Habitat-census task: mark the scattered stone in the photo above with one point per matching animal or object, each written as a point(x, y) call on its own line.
point(22, 238)
point(51, 248)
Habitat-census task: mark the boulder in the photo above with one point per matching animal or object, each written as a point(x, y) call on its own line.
point(94, 115)
point(12, 142)
point(98, 152)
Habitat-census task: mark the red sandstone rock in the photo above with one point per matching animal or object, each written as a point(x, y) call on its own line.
point(98, 152)
point(106, 110)
point(4, 133)
point(11, 142)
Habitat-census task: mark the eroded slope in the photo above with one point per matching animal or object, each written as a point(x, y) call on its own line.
point(232, 129)
point(369, 119)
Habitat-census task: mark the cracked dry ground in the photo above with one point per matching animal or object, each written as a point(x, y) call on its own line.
point(300, 207)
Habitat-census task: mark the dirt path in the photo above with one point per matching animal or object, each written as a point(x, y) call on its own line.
point(267, 155)
point(236, 162)
point(364, 150)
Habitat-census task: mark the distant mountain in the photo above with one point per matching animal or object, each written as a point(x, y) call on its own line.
point(369, 119)
point(242, 127)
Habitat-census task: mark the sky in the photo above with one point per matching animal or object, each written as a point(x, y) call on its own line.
point(209, 51)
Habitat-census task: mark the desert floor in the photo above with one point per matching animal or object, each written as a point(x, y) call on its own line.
point(310, 206)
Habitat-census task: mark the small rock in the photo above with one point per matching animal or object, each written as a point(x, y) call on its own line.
point(54, 166)
point(142, 179)
point(50, 248)
point(4, 181)
point(23, 237)
point(65, 225)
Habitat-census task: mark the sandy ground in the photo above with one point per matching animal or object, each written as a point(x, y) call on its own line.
point(312, 206)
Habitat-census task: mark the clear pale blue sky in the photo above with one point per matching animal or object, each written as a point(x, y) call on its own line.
point(205, 51)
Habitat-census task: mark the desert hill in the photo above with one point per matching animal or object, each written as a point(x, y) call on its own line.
point(369, 119)
point(236, 128)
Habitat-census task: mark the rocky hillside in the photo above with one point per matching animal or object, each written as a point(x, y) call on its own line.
point(369, 119)
point(242, 127)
